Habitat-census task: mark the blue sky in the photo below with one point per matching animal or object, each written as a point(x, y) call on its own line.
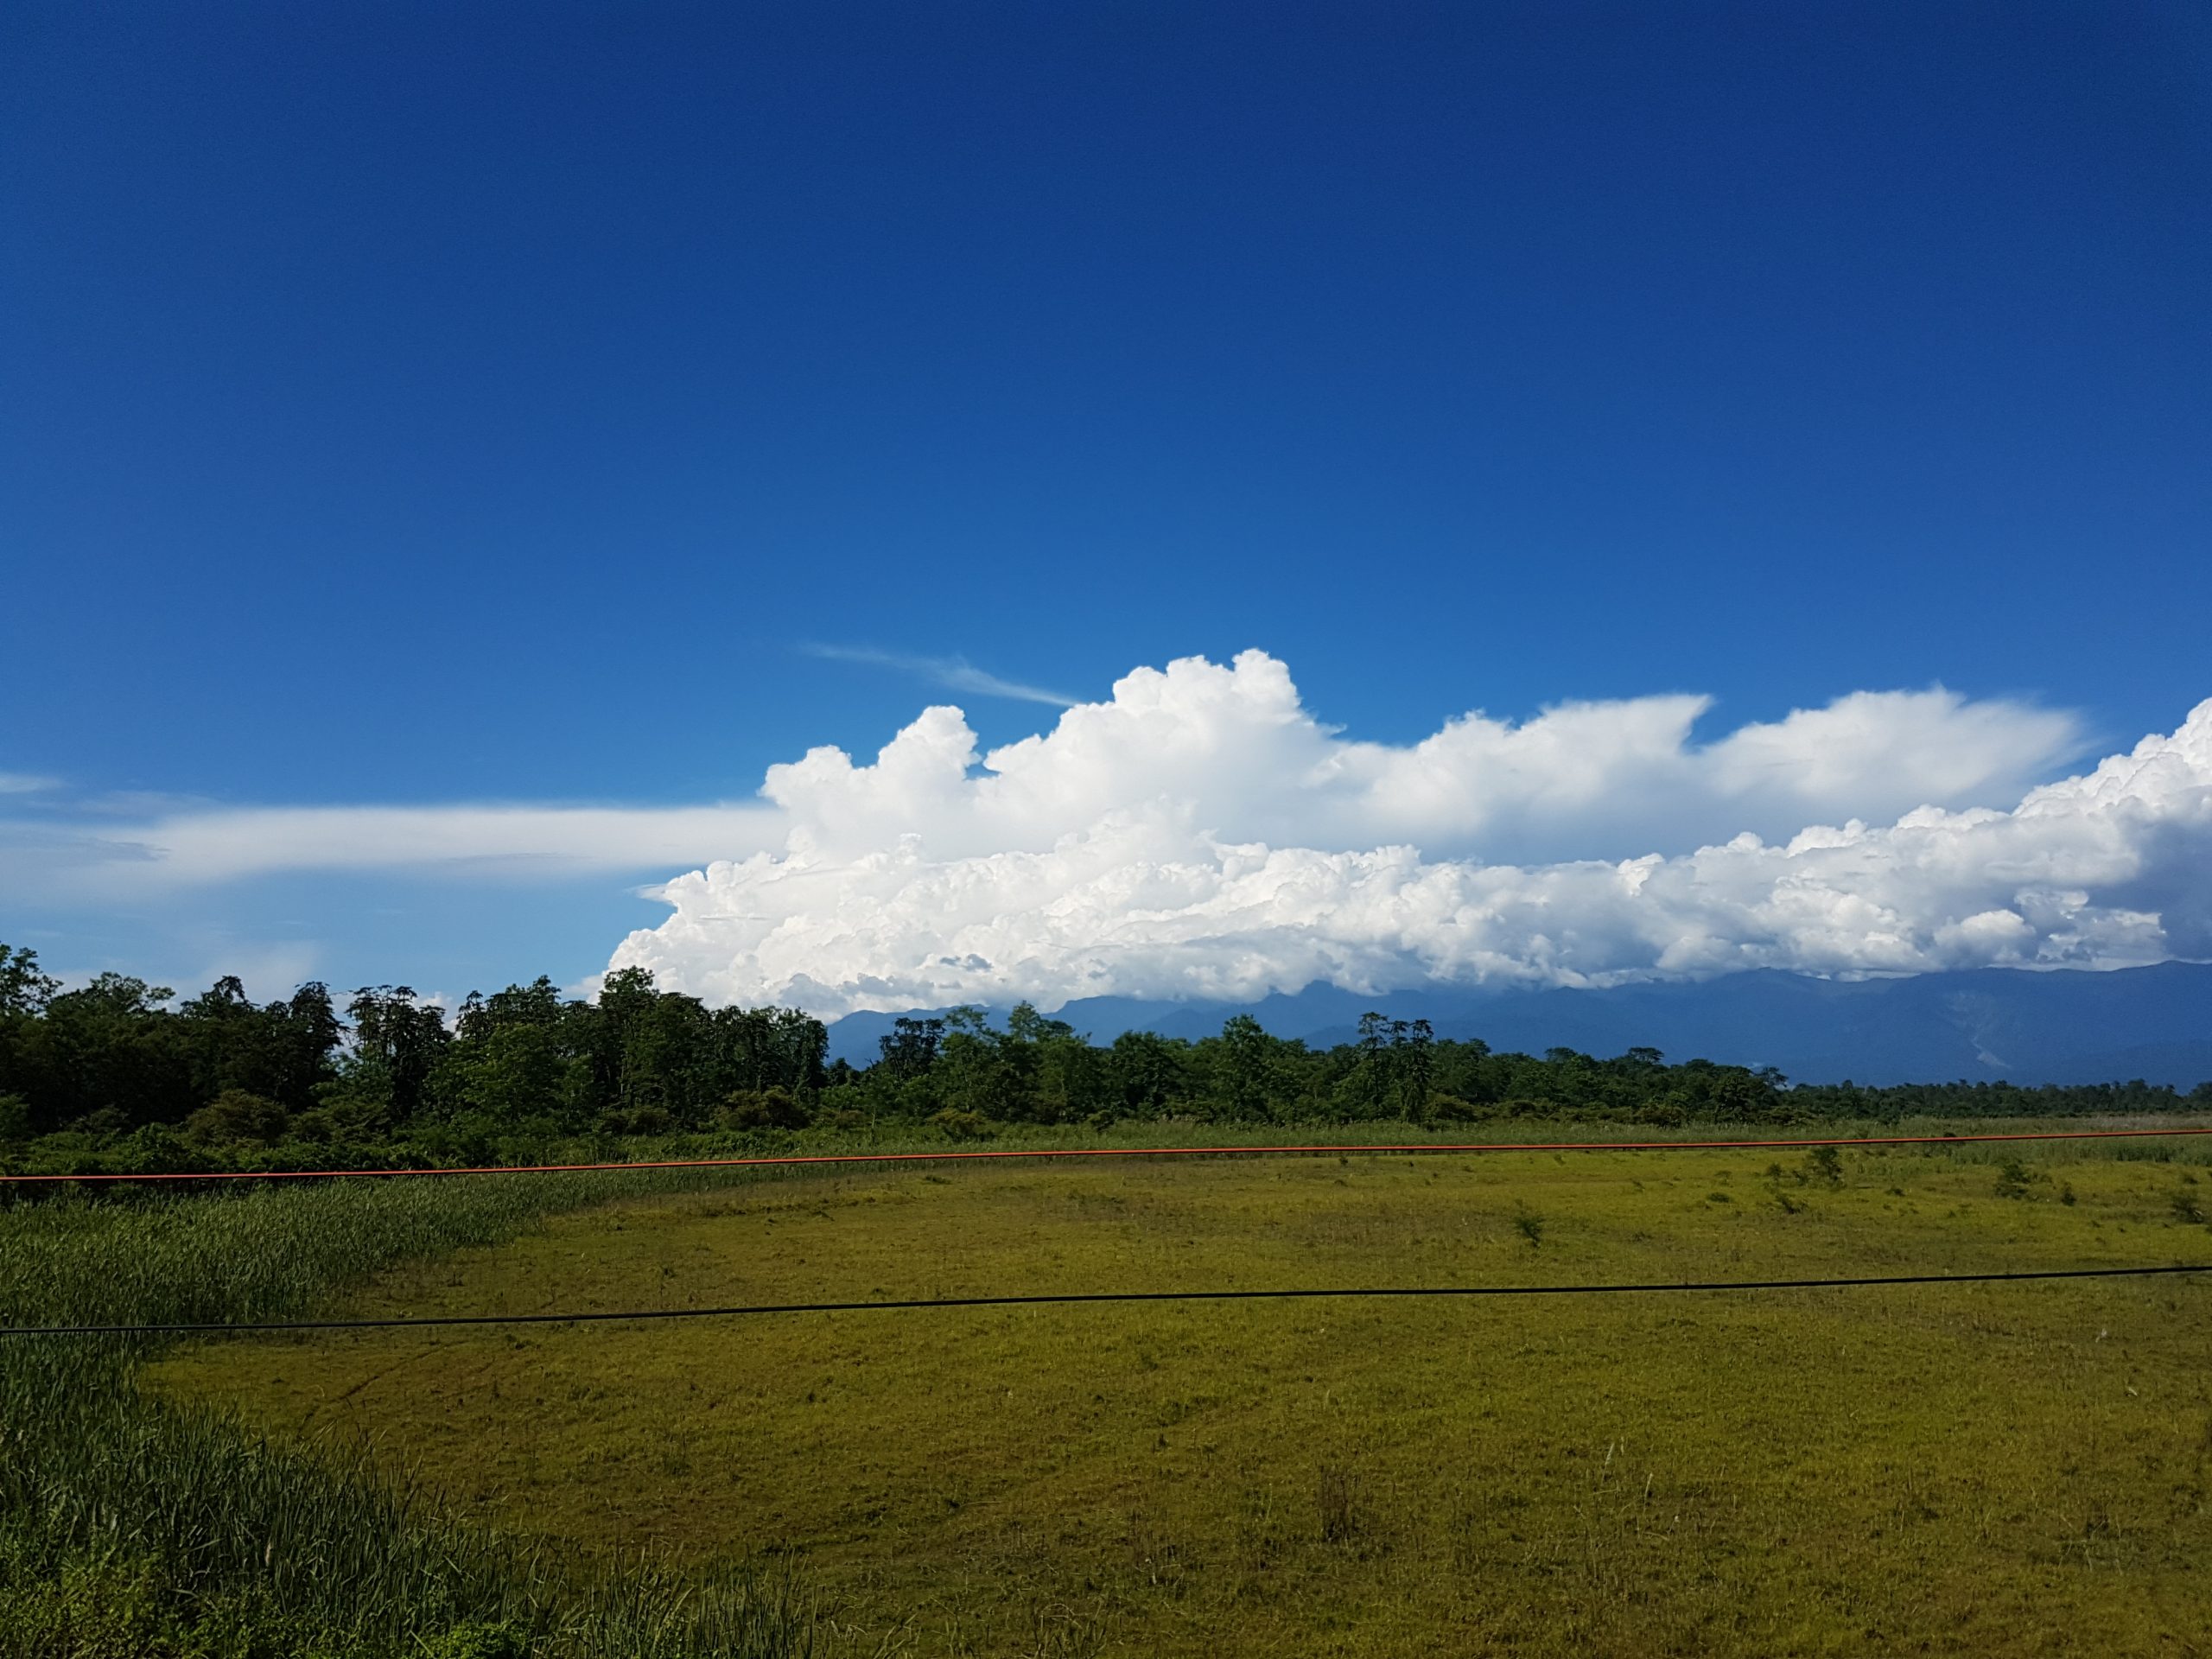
point(412, 405)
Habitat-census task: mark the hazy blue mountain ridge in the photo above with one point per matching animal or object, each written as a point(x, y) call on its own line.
point(1986, 1025)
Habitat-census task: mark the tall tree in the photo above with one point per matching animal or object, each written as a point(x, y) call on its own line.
point(398, 1043)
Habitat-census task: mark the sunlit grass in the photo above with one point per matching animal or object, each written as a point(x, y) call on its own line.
point(1968, 1468)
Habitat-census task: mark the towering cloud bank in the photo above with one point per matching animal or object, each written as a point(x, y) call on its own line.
point(1201, 835)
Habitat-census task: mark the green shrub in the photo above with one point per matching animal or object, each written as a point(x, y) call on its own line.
point(643, 1119)
point(763, 1108)
point(236, 1117)
point(1450, 1108)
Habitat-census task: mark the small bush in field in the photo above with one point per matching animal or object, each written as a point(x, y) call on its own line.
point(1338, 1500)
point(644, 1120)
point(763, 1108)
point(1450, 1108)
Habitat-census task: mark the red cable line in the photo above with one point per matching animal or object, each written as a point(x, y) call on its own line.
point(1125, 1152)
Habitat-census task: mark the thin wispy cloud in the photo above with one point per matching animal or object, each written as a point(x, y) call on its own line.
point(23, 783)
point(954, 673)
point(494, 841)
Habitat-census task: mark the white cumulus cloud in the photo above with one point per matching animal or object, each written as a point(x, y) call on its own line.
point(1201, 834)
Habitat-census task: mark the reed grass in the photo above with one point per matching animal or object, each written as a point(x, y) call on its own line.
point(133, 1526)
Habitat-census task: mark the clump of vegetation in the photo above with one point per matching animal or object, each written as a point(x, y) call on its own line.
point(1338, 1500)
point(132, 1526)
point(1449, 1110)
point(1824, 1166)
point(2014, 1179)
point(235, 1117)
point(2186, 1206)
point(1529, 1224)
point(772, 1107)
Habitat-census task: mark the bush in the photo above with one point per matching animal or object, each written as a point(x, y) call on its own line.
point(643, 1119)
point(1450, 1108)
point(235, 1116)
point(963, 1126)
point(763, 1108)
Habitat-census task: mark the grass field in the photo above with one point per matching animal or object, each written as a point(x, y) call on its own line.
point(1966, 1469)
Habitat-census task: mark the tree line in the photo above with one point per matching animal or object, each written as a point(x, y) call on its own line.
point(120, 1055)
point(120, 1058)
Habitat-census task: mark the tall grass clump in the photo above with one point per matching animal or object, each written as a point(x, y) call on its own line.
point(131, 1526)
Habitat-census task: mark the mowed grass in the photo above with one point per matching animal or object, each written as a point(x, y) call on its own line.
point(1968, 1469)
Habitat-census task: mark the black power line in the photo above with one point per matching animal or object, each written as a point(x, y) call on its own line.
point(1065, 1297)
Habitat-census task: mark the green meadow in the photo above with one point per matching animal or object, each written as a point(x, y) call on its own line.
point(1970, 1468)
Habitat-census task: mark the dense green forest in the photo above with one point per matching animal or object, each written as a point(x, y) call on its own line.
point(119, 1064)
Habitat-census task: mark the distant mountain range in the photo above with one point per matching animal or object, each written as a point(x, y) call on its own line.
point(1988, 1025)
